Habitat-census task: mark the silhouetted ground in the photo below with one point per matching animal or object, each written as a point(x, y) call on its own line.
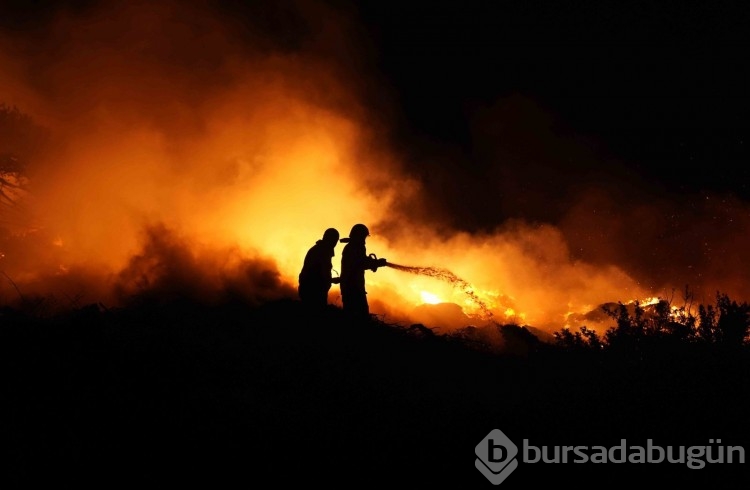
point(178, 393)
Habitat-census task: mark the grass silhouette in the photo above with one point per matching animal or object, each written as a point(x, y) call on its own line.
point(176, 392)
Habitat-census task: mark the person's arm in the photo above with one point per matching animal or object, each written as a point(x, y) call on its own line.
point(326, 270)
point(356, 259)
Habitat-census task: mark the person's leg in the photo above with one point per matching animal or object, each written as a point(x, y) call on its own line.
point(314, 300)
point(356, 307)
point(321, 298)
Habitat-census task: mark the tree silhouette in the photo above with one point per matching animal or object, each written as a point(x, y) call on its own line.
point(582, 340)
point(727, 323)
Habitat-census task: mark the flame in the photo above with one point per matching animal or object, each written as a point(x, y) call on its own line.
point(430, 298)
point(645, 301)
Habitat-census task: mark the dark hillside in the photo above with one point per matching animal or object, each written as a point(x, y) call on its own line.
point(178, 393)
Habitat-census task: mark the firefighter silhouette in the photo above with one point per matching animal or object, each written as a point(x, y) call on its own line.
point(354, 263)
point(316, 277)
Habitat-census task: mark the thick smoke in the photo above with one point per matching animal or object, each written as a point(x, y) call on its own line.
point(167, 268)
point(195, 152)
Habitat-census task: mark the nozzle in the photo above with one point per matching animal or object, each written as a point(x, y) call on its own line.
point(376, 262)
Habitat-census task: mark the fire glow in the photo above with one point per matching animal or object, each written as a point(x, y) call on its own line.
point(181, 157)
point(429, 298)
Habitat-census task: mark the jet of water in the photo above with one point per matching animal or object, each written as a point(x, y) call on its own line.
point(447, 276)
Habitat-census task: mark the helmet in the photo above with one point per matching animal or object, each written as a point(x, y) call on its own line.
point(359, 231)
point(331, 235)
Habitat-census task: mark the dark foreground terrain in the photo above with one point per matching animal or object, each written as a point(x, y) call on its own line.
point(268, 396)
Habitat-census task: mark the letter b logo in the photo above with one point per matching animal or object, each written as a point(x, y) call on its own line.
point(495, 452)
point(496, 456)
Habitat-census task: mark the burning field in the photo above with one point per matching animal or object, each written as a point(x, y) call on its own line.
point(166, 166)
point(169, 150)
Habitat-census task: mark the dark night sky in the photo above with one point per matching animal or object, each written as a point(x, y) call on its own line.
point(532, 105)
point(662, 86)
